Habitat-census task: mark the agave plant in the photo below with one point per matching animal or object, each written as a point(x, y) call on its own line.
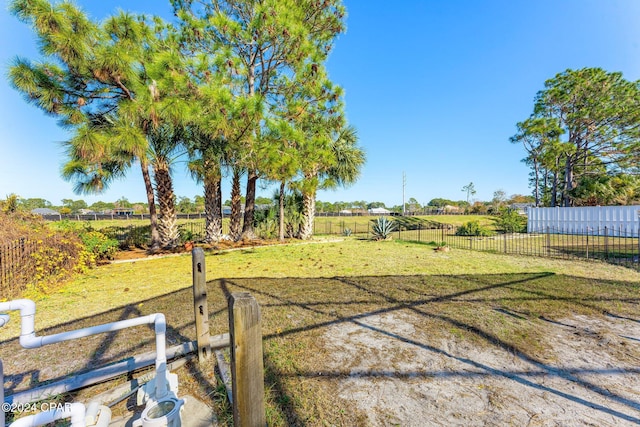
point(382, 228)
point(347, 232)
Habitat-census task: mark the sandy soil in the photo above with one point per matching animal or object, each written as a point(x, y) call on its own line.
point(399, 376)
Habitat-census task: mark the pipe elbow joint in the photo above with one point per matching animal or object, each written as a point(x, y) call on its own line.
point(30, 341)
point(160, 323)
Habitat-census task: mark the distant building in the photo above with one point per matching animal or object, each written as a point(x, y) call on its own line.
point(122, 211)
point(226, 210)
point(522, 208)
point(44, 211)
point(379, 211)
point(345, 212)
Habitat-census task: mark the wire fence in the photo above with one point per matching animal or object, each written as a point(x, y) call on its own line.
point(26, 261)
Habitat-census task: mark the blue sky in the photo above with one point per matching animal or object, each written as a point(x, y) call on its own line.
point(434, 88)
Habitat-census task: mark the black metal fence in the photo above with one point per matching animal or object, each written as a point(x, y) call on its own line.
point(112, 216)
point(140, 235)
point(620, 246)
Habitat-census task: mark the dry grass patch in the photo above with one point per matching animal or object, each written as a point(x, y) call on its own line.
point(307, 291)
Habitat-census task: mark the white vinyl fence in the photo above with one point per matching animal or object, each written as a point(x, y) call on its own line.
point(594, 220)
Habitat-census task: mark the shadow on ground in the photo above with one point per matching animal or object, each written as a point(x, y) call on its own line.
point(507, 313)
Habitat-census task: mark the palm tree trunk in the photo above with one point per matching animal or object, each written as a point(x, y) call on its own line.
point(213, 204)
point(236, 206)
point(249, 206)
point(308, 214)
point(167, 225)
point(155, 235)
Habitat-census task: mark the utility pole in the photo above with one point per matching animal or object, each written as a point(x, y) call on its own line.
point(404, 184)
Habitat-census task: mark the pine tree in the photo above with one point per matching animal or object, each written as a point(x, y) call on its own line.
point(262, 44)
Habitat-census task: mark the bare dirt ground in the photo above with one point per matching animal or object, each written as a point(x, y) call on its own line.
point(399, 375)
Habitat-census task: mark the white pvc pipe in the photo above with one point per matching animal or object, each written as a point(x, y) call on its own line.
point(75, 411)
point(1, 394)
point(97, 415)
point(28, 338)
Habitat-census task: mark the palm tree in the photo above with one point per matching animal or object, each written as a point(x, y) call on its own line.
point(91, 71)
point(340, 166)
point(163, 152)
point(206, 166)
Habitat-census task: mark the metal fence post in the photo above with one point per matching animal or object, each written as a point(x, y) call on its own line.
point(587, 243)
point(548, 242)
point(638, 258)
point(606, 242)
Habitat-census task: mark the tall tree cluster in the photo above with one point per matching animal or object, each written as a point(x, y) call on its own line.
point(583, 139)
point(237, 86)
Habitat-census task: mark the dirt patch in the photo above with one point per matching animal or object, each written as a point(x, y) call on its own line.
point(400, 375)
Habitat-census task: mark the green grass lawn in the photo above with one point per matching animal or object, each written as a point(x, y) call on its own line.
point(304, 288)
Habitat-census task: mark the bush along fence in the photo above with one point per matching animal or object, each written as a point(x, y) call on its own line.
point(616, 246)
point(30, 261)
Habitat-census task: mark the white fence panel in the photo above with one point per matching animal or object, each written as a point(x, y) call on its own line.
point(616, 220)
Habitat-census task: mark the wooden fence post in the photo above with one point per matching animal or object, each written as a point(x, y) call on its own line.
point(247, 369)
point(200, 307)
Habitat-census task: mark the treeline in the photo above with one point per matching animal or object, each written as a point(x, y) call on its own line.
point(188, 205)
point(582, 140)
point(237, 88)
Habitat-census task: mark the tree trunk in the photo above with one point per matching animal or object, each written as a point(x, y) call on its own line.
point(249, 206)
point(153, 215)
point(568, 182)
point(167, 224)
point(554, 185)
point(536, 191)
point(545, 184)
point(308, 214)
point(281, 215)
point(236, 207)
point(213, 204)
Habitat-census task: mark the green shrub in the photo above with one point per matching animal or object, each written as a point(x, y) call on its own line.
point(186, 235)
point(101, 246)
point(473, 228)
point(382, 228)
point(267, 228)
point(42, 259)
point(509, 221)
point(129, 236)
point(347, 232)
